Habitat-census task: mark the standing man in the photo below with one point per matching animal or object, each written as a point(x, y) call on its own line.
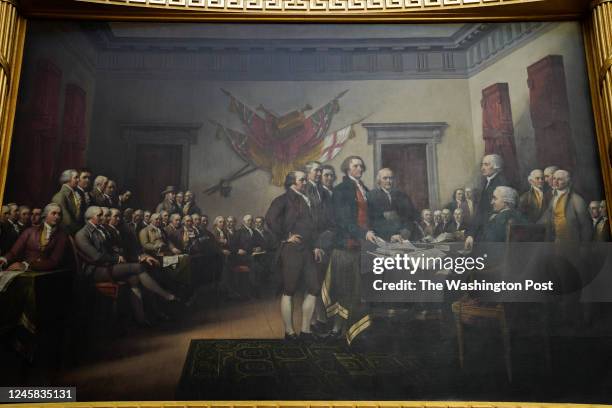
point(594, 212)
point(548, 178)
point(110, 195)
point(291, 221)
point(566, 218)
point(390, 211)
point(534, 202)
point(328, 178)
point(491, 169)
point(190, 207)
point(82, 190)
point(97, 194)
point(341, 291)
point(320, 206)
point(314, 190)
point(602, 229)
point(69, 201)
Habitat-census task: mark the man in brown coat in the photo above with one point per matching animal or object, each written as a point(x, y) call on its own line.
point(291, 220)
point(69, 201)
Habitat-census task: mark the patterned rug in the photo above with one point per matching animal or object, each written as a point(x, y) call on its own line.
point(276, 369)
point(414, 364)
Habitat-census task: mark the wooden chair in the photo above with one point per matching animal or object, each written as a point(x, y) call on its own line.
point(111, 291)
point(240, 274)
point(468, 311)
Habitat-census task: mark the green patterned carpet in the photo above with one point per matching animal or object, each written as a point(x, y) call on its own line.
point(276, 369)
point(416, 364)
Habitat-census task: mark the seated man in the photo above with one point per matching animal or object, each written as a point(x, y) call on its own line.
point(123, 241)
point(103, 265)
point(220, 235)
point(209, 253)
point(36, 217)
point(495, 228)
point(39, 248)
point(458, 225)
point(437, 217)
point(136, 223)
point(154, 242)
point(390, 211)
point(188, 237)
point(9, 230)
point(172, 230)
point(268, 246)
point(427, 223)
point(446, 220)
point(245, 243)
point(24, 217)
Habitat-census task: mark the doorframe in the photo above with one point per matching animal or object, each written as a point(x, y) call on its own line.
point(428, 133)
point(161, 133)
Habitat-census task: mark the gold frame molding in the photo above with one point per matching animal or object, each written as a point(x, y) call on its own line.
point(307, 404)
point(595, 16)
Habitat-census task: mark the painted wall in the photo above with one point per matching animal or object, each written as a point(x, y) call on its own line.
point(116, 98)
point(144, 101)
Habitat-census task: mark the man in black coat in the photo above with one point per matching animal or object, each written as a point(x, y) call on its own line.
point(9, 229)
point(291, 221)
point(491, 169)
point(341, 289)
point(390, 211)
point(322, 215)
point(246, 242)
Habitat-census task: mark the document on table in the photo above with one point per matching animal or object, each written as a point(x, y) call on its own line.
point(170, 260)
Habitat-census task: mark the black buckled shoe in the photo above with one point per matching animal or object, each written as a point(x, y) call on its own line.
point(291, 337)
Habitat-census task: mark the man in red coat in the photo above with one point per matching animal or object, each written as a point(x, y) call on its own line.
point(39, 248)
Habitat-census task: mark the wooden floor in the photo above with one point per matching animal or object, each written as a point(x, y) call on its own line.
point(146, 364)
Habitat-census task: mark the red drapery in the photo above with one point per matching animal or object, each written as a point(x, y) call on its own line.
point(32, 159)
point(497, 128)
point(550, 117)
point(74, 139)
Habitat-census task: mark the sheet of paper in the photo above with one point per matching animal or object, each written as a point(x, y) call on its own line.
point(6, 277)
point(170, 260)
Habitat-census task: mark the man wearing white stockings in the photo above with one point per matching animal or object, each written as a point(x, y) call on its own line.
point(290, 218)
